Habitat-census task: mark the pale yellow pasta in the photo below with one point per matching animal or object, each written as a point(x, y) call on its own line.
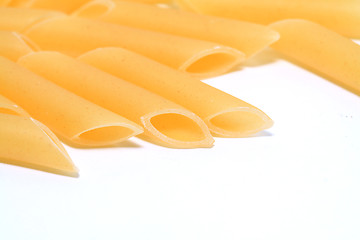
point(28, 143)
point(4, 3)
point(150, 1)
point(224, 114)
point(9, 107)
point(322, 50)
point(246, 37)
point(165, 122)
point(342, 16)
point(14, 45)
point(17, 19)
point(74, 36)
point(66, 6)
point(73, 118)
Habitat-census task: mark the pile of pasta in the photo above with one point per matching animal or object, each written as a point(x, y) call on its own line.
point(96, 73)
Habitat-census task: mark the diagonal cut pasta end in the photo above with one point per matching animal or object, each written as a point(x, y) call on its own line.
point(26, 41)
point(67, 167)
point(94, 9)
point(212, 62)
point(28, 143)
point(8, 107)
point(176, 129)
point(107, 135)
point(14, 45)
point(238, 122)
point(269, 37)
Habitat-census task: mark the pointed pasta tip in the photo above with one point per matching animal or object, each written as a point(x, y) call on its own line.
point(28, 143)
point(238, 122)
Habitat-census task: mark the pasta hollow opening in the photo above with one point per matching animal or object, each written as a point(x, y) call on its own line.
point(178, 127)
point(9, 111)
point(105, 135)
point(239, 123)
point(212, 63)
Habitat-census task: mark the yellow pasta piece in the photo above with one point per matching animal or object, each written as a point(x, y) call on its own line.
point(75, 36)
point(322, 50)
point(165, 123)
point(341, 16)
point(4, 3)
point(28, 143)
point(246, 37)
point(66, 6)
point(17, 19)
point(9, 107)
point(224, 114)
point(14, 45)
point(70, 116)
point(150, 1)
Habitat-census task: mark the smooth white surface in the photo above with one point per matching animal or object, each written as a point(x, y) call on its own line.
point(298, 180)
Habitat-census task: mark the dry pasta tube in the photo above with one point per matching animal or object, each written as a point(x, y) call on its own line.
point(164, 122)
point(14, 45)
point(224, 114)
point(70, 116)
point(28, 143)
point(246, 37)
point(75, 36)
point(66, 6)
point(17, 19)
point(322, 50)
point(341, 16)
point(9, 107)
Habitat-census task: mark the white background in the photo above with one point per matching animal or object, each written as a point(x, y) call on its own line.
point(298, 180)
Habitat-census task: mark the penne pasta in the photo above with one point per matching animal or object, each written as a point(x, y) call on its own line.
point(66, 6)
point(9, 107)
point(225, 115)
point(165, 122)
point(74, 36)
point(246, 37)
point(17, 19)
point(28, 143)
point(322, 50)
point(14, 45)
point(340, 16)
point(73, 118)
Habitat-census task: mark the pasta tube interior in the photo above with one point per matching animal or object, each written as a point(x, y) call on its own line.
point(322, 50)
point(18, 19)
point(73, 118)
point(224, 114)
point(75, 36)
point(246, 37)
point(164, 121)
point(14, 45)
point(28, 143)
